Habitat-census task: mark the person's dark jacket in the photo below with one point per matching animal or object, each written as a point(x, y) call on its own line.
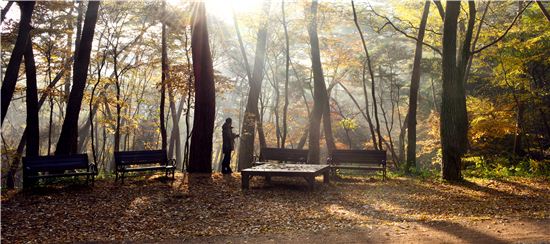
point(228, 138)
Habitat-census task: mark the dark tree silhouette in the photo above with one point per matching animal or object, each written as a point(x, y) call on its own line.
point(33, 142)
point(68, 139)
point(12, 70)
point(450, 99)
point(413, 97)
point(164, 61)
point(200, 158)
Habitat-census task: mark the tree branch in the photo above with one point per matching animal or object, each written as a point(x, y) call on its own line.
point(543, 9)
point(505, 32)
point(440, 9)
point(388, 21)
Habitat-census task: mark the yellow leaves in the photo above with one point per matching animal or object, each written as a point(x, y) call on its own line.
point(349, 124)
point(489, 121)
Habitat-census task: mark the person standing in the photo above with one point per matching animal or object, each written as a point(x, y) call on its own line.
point(228, 145)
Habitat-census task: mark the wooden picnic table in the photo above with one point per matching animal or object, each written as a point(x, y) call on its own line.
point(307, 171)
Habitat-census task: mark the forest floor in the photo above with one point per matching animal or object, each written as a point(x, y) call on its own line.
point(214, 209)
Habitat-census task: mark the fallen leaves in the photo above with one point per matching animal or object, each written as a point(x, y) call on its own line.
point(203, 205)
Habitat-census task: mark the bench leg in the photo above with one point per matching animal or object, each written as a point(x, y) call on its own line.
point(245, 180)
point(268, 179)
point(93, 180)
point(116, 175)
point(122, 177)
point(87, 179)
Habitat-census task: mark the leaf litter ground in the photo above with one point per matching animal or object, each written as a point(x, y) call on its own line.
point(213, 208)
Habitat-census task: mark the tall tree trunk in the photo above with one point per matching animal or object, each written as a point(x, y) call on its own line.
point(450, 144)
point(12, 70)
point(164, 75)
point(287, 66)
point(91, 105)
point(200, 158)
point(118, 99)
point(413, 96)
point(33, 142)
point(251, 113)
point(377, 143)
point(68, 139)
point(320, 98)
point(188, 104)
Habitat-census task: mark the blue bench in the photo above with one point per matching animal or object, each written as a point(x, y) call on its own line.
point(129, 161)
point(35, 168)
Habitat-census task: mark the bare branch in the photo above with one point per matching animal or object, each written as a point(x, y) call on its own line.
point(543, 9)
point(440, 9)
point(505, 32)
point(403, 32)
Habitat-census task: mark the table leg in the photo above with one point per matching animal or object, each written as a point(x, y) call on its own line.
point(245, 178)
point(311, 182)
point(326, 176)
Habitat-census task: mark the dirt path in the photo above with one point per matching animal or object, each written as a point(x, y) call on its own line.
point(502, 231)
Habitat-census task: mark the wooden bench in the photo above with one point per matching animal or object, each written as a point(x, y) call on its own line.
point(129, 161)
point(374, 160)
point(35, 168)
point(282, 155)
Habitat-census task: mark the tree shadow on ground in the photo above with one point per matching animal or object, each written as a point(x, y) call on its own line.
point(523, 187)
point(374, 211)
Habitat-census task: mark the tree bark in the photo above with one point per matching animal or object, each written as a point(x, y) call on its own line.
point(68, 139)
point(251, 113)
point(320, 96)
point(164, 61)
point(33, 142)
point(413, 96)
point(200, 158)
point(450, 144)
point(12, 70)
point(287, 67)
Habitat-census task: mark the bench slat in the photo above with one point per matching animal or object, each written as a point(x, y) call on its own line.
point(358, 156)
point(283, 154)
point(55, 163)
point(359, 159)
point(128, 161)
point(141, 157)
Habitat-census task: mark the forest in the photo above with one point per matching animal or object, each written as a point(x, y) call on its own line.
point(454, 94)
